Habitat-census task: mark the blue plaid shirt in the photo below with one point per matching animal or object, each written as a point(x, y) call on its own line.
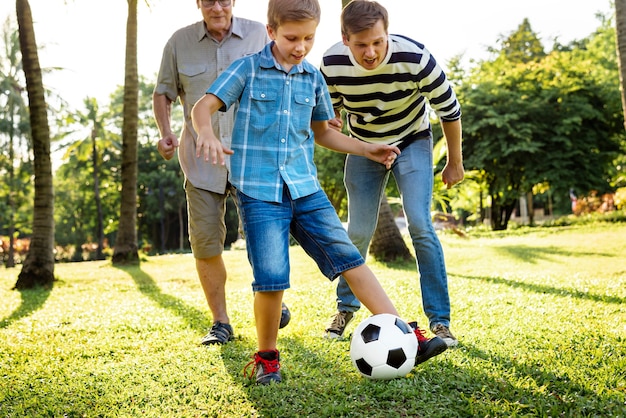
point(272, 137)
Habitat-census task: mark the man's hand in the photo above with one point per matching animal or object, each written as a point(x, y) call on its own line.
point(452, 174)
point(167, 146)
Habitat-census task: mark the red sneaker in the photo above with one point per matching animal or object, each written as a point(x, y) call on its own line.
point(267, 367)
point(427, 348)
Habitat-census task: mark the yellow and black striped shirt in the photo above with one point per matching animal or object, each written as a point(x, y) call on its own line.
point(389, 104)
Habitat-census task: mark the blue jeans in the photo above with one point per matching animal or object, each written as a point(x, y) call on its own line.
point(313, 223)
point(365, 182)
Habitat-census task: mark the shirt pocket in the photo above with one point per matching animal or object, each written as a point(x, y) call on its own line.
point(302, 113)
point(262, 96)
point(195, 79)
point(304, 100)
point(191, 70)
point(262, 110)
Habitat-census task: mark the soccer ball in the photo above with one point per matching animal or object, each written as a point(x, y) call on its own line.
point(383, 346)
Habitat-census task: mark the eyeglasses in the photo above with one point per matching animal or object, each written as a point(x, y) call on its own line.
point(211, 3)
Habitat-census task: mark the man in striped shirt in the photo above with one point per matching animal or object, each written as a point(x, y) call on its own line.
point(387, 85)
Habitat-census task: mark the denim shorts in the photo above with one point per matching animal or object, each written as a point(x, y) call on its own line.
point(313, 223)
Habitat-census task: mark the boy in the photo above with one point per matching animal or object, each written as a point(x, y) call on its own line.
point(283, 108)
point(384, 83)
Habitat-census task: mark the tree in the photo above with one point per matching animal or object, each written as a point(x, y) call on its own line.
point(38, 268)
point(162, 202)
point(96, 144)
point(522, 45)
point(387, 242)
point(548, 121)
point(126, 250)
point(158, 177)
point(620, 27)
point(14, 124)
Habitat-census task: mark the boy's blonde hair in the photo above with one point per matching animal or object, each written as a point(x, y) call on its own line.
point(360, 15)
point(281, 11)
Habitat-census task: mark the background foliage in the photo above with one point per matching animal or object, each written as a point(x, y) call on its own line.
point(538, 122)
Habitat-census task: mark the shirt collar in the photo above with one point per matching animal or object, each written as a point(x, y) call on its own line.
point(235, 29)
point(267, 60)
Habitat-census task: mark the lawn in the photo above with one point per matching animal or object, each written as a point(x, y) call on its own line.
point(540, 315)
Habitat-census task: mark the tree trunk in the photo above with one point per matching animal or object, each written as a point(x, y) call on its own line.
point(181, 226)
point(10, 262)
point(501, 211)
point(96, 192)
point(530, 208)
point(38, 268)
point(387, 243)
point(620, 27)
point(126, 242)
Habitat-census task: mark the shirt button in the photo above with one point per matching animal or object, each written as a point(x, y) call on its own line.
point(282, 168)
point(285, 111)
point(306, 100)
point(282, 140)
point(263, 95)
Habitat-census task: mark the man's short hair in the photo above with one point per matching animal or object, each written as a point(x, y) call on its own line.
point(360, 15)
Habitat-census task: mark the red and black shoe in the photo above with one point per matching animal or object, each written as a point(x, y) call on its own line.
point(427, 347)
point(267, 367)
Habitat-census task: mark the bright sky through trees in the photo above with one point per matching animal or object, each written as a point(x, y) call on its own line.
point(87, 38)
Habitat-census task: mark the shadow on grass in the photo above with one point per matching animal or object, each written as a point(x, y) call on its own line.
point(528, 254)
point(553, 392)
point(537, 288)
point(32, 300)
point(534, 254)
point(316, 384)
point(195, 318)
point(312, 384)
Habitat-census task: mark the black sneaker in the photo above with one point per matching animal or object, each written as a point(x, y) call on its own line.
point(219, 333)
point(285, 316)
point(338, 325)
point(267, 367)
point(427, 348)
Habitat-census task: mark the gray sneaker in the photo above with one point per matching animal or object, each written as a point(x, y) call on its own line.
point(219, 333)
point(338, 325)
point(285, 316)
point(444, 333)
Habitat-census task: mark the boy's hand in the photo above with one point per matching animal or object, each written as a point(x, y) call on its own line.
point(336, 124)
point(384, 154)
point(209, 147)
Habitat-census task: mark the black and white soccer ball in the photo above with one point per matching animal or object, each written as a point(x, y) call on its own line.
point(383, 346)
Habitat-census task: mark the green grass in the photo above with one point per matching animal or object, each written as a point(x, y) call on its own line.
point(540, 315)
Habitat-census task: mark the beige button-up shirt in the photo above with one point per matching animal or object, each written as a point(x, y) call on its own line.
point(191, 61)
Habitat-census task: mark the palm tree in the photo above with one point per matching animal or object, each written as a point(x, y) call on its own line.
point(620, 26)
point(96, 120)
point(126, 242)
point(387, 243)
point(38, 268)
